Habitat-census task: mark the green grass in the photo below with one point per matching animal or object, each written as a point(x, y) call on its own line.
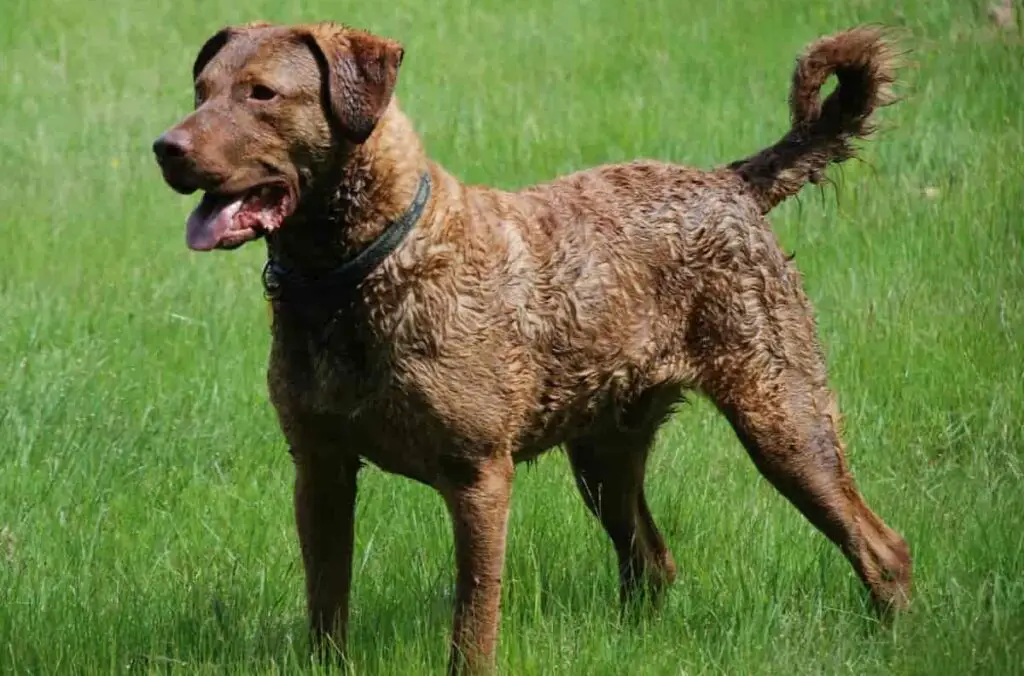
point(145, 493)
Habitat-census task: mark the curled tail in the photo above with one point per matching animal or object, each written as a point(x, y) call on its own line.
point(823, 132)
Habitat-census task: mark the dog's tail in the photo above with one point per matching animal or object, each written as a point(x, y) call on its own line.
point(823, 132)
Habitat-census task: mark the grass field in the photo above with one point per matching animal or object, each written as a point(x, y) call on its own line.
point(145, 492)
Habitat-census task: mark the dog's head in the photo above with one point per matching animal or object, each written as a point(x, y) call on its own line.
point(275, 106)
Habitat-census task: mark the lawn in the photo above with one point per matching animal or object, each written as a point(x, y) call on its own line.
point(145, 491)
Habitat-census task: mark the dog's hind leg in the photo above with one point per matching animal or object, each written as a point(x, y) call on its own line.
point(786, 418)
point(609, 470)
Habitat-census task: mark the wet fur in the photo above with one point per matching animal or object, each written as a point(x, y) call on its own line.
point(574, 313)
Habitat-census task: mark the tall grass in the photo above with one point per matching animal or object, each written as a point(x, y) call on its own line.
point(145, 495)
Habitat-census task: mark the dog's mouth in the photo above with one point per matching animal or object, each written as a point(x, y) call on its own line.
point(227, 221)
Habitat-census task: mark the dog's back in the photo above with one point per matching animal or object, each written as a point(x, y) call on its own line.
point(620, 278)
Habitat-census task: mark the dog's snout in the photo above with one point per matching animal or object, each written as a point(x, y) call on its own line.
point(174, 152)
point(173, 144)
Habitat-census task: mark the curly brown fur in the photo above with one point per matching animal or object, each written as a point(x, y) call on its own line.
point(576, 312)
point(823, 133)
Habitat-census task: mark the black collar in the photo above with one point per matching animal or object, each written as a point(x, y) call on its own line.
point(280, 282)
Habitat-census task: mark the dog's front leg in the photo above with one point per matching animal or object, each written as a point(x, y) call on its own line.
point(325, 499)
point(478, 499)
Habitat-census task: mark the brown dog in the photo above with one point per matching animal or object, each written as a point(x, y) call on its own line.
point(447, 332)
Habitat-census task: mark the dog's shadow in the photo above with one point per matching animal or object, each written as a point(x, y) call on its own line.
point(230, 631)
point(226, 627)
point(402, 597)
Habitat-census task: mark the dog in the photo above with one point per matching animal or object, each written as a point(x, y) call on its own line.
point(446, 332)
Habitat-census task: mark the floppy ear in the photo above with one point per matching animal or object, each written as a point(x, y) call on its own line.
point(217, 42)
point(360, 70)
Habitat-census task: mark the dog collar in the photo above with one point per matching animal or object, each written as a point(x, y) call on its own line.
point(279, 281)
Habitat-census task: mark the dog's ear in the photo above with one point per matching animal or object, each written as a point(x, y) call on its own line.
point(359, 74)
point(217, 42)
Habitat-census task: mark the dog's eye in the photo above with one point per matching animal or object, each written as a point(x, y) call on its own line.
point(262, 93)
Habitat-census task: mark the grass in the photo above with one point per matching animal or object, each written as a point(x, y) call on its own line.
point(145, 495)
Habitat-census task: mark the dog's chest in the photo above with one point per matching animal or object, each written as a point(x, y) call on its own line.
point(328, 373)
point(403, 414)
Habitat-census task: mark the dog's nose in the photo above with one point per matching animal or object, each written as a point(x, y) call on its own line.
point(175, 143)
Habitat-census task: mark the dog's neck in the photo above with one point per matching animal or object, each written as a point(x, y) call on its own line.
point(370, 188)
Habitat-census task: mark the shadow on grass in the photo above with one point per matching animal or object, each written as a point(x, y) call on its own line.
point(230, 633)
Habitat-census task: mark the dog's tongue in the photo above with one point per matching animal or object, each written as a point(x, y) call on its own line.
point(210, 220)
